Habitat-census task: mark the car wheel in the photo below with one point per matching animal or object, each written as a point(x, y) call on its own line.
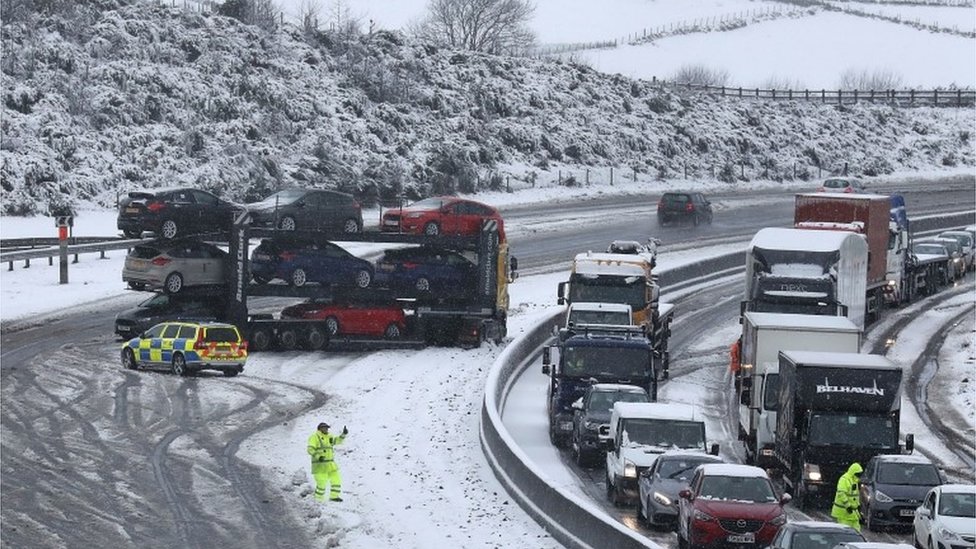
point(915, 540)
point(298, 278)
point(315, 338)
point(432, 229)
point(423, 285)
point(179, 365)
point(640, 511)
point(258, 279)
point(392, 331)
point(168, 229)
point(129, 359)
point(332, 326)
point(231, 372)
point(868, 522)
point(350, 226)
point(173, 283)
point(287, 339)
point(682, 542)
point(287, 223)
point(132, 234)
point(363, 278)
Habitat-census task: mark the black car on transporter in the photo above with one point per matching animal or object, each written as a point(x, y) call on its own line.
point(173, 212)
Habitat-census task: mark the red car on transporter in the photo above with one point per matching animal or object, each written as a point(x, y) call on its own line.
point(341, 319)
point(447, 215)
point(729, 505)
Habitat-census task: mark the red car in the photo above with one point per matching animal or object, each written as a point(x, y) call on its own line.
point(441, 215)
point(387, 321)
point(729, 505)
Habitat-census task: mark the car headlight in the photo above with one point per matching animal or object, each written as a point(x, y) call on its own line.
point(778, 520)
point(591, 425)
point(948, 535)
point(882, 497)
point(661, 498)
point(630, 470)
point(703, 516)
point(811, 471)
point(414, 215)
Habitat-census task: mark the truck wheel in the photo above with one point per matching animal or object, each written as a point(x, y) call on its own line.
point(260, 340)
point(288, 339)
point(315, 338)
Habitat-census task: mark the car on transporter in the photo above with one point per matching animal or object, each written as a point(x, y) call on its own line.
point(442, 215)
point(345, 319)
point(297, 261)
point(174, 212)
point(174, 266)
point(308, 210)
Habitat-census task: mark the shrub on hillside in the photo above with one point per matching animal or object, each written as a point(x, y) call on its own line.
point(700, 75)
point(879, 79)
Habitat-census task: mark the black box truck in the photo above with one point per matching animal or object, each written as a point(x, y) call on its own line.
point(834, 409)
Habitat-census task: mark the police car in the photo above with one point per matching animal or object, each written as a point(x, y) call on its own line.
point(186, 347)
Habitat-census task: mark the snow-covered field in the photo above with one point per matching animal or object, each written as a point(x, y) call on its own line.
point(809, 51)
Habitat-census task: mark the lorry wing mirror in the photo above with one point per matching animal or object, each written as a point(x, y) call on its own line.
point(909, 443)
point(546, 356)
point(545, 369)
point(785, 498)
point(685, 494)
point(714, 449)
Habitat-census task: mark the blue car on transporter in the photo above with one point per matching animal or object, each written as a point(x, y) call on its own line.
point(299, 261)
point(424, 269)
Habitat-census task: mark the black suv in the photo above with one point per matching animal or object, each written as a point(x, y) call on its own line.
point(164, 308)
point(591, 418)
point(173, 212)
point(685, 206)
point(308, 210)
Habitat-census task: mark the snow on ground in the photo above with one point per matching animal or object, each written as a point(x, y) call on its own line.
point(948, 17)
point(956, 378)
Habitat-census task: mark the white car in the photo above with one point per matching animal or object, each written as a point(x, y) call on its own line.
point(947, 518)
point(966, 243)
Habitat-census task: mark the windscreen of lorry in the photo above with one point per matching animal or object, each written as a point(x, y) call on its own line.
point(663, 433)
point(851, 429)
point(609, 289)
point(771, 393)
point(607, 364)
point(599, 317)
point(910, 474)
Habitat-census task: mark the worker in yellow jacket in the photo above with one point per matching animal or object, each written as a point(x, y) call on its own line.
point(321, 448)
point(847, 502)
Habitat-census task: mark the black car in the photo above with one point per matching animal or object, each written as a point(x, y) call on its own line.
point(693, 207)
point(893, 486)
point(162, 308)
point(591, 418)
point(173, 212)
point(658, 486)
point(308, 210)
point(814, 535)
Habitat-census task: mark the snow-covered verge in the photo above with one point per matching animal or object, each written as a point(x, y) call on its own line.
point(956, 378)
point(99, 101)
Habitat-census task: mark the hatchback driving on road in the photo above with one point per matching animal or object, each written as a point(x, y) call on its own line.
point(187, 347)
point(308, 210)
point(680, 206)
point(174, 212)
point(658, 487)
point(892, 486)
point(173, 266)
point(841, 185)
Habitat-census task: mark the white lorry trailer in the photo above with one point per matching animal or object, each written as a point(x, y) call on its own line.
point(764, 335)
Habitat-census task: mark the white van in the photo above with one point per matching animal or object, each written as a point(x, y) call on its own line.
point(640, 432)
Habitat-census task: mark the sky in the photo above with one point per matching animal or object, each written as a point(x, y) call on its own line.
point(808, 51)
point(395, 415)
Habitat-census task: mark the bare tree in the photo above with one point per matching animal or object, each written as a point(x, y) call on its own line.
point(880, 79)
point(308, 13)
point(342, 19)
point(492, 26)
point(700, 75)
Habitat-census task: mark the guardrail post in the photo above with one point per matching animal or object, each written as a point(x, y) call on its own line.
point(50, 261)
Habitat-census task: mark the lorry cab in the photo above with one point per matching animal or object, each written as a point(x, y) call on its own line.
point(639, 433)
point(585, 358)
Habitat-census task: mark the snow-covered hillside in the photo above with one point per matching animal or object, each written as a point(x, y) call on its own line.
point(100, 100)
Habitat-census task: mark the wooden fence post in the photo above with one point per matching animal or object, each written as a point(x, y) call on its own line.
point(935, 97)
point(823, 96)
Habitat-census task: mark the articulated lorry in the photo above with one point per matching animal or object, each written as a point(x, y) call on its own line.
point(804, 271)
point(764, 335)
point(894, 275)
point(464, 316)
point(626, 279)
point(834, 409)
point(585, 356)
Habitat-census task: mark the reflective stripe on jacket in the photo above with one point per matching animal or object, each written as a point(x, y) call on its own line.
point(320, 446)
